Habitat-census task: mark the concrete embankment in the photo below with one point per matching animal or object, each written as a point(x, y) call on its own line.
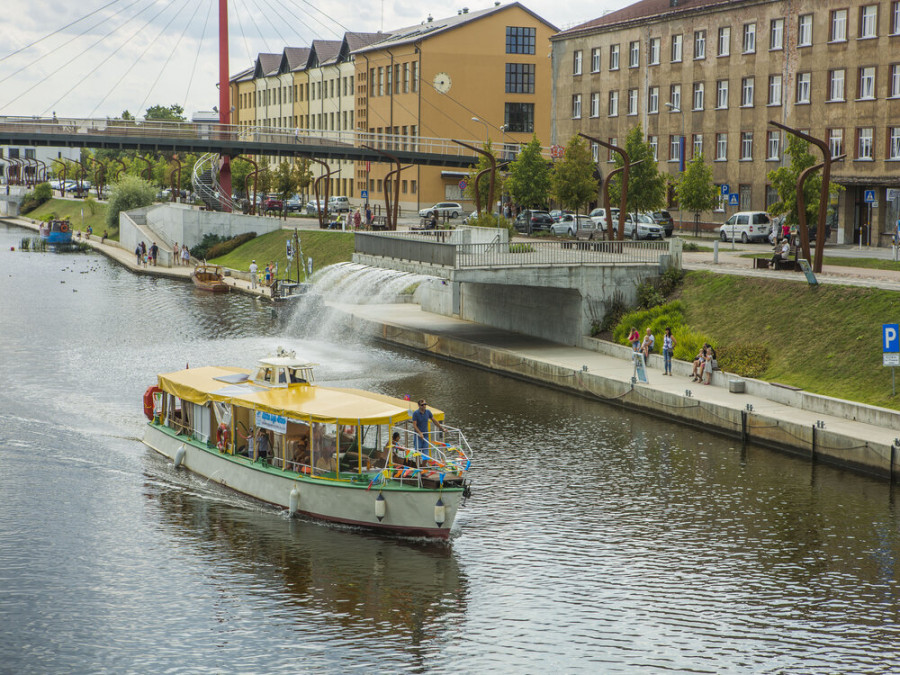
point(820, 428)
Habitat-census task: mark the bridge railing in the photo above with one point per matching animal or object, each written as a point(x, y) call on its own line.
point(405, 247)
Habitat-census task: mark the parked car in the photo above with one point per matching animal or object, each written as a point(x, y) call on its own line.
point(339, 205)
point(442, 209)
point(569, 223)
point(746, 226)
point(314, 207)
point(641, 226)
point(598, 216)
point(529, 221)
point(664, 220)
point(294, 204)
point(273, 204)
point(556, 214)
point(589, 229)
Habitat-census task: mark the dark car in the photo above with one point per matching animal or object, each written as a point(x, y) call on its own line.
point(533, 221)
point(273, 205)
point(664, 220)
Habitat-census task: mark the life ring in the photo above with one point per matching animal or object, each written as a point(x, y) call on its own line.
point(148, 400)
point(222, 437)
point(64, 227)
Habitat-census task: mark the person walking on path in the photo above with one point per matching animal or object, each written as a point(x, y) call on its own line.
point(368, 217)
point(357, 219)
point(154, 252)
point(668, 348)
point(254, 276)
point(139, 254)
point(176, 254)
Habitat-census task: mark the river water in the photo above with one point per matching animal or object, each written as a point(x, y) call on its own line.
point(596, 540)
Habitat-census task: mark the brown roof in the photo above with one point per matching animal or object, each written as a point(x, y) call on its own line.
point(644, 9)
point(296, 58)
point(267, 64)
point(359, 40)
point(327, 51)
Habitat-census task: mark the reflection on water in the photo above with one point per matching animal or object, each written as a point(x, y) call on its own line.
point(596, 540)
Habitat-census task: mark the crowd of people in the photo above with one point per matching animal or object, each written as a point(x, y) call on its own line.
point(703, 365)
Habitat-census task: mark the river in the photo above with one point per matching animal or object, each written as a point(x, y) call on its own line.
point(596, 540)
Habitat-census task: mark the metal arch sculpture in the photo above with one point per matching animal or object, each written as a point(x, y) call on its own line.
point(322, 213)
point(604, 188)
point(801, 206)
point(392, 210)
point(492, 169)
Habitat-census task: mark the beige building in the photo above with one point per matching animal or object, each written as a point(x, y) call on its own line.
point(715, 73)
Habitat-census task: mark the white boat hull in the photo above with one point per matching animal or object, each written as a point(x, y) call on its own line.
point(407, 511)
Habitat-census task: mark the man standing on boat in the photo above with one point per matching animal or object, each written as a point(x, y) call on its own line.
point(421, 418)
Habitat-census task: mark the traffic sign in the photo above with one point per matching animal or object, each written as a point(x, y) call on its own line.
point(462, 184)
point(869, 196)
point(891, 360)
point(890, 338)
point(364, 194)
point(725, 190)
point(734, 200)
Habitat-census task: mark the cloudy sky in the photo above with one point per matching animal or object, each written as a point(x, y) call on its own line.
point(97, 58)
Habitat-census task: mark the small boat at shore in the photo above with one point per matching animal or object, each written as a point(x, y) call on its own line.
point(340, 455)
point(56, 233)
point(209, 278)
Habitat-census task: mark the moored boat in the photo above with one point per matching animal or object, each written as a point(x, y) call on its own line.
point(209, 278)
point(57, 232)
point(342, 455)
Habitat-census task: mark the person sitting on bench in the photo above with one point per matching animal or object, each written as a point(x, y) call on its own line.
point(781, 254)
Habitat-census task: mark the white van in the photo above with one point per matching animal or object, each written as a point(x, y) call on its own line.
point(339, 204)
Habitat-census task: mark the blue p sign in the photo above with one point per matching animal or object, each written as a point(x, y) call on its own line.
point(890, 337)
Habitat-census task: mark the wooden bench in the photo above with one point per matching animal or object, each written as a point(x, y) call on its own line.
point(379, 222)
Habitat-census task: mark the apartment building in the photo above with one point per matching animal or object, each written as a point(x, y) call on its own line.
point(707, 76)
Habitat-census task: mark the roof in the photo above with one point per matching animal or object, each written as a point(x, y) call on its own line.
point(299, 402)
point(266, 65)
point(359, 40)
point(427, 29)
point(326, 51)
point(294, 59)
point(644, 9)
point(244, 75)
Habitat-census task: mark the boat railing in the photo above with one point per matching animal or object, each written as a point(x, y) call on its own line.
point(446, 451)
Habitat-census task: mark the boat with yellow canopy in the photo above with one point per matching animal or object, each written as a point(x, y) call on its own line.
point(342, 455)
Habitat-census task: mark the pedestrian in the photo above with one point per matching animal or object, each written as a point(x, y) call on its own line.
point(254, 274)
point(139, 254)
point(357, 219)
point(185, 255)
point(647, 344)
point(634, 337)
point(368, 216)
point(154, 253)
point(668, 348)
point(176, 254)
point(144, 253)
point(268, 274)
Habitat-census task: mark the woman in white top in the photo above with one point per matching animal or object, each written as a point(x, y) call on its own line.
point(668, 347)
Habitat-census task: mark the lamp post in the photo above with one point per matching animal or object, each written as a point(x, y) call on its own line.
point(674, 108)
point(487, 133)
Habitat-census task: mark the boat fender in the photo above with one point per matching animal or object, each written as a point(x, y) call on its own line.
point(295, 500)
point(440, 512)
point(380, 507)
point(179, 456)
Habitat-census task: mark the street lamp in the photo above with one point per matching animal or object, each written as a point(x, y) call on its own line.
point(487, 132)
point(674, 108)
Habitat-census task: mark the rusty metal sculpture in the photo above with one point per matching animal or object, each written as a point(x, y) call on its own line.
point(604, 189)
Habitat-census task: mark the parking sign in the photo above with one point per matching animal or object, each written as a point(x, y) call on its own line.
point(890, 338)
point(725, 190)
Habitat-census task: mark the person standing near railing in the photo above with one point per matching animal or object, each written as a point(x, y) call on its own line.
point(421, 417)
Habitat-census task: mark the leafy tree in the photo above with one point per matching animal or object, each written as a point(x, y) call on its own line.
point(785, 178)
point(264, 179)
point(573, 181)
point(695, 189)
point(484, 163)
point(528, 182)
point(172, 113)
point(646, 185)
point(130, 193)
point(240, 169)
point(303, 175)
point(127, 116)
point(283, 180)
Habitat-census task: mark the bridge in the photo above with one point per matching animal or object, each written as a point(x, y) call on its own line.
point(555, 290)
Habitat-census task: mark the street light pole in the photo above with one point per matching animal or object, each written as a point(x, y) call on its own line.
point(675, 108)
point(487, 132)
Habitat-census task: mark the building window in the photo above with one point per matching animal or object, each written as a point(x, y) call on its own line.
point(803, 82)
point(576, 63)
point(804, 30)
point(725, 41)
point(697, 146)
point(653, 100)
point(595, 152)
point(895, 18)
point(867, 82)
point(653, 142)
point(676, 48)
point(868, 22)
point(675, 96)
point(774, 89)
point(747, 92)
point(519, 78)
point(576, 107)
point(520, 40)
point(749, 41)
point(895, 80)
point(745, 197)
point(595, 104)
point(610, 154)
point(519, 117)
point(614, 57)
point(773, 145)
point(632, 101)
point(405, 78)
point(776, 34)
point(613, 104)
point(722, 94)
point(698, 95)
point(836, 142)
point(838, 25)
point(654, 51)
point(894, 143)
point(595, 60)
point(674, 148)
point(634, 54)
point(746, 145)
point(415, 76)
point(700, 44)
point(836, 85)
point(865, 145)
point(721, 147)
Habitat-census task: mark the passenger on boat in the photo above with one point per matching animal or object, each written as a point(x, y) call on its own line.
point(421, 417)
point(262, 443)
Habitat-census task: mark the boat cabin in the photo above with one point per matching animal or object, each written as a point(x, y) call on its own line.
point(283, 370)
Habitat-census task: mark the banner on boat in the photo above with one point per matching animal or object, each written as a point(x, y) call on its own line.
point(276, 423)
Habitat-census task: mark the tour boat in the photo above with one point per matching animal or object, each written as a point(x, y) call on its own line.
point(209, 278)
point(323, 452)
point(57, 232)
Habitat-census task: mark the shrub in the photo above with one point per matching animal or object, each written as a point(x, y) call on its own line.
point(670, 280)
point(521, 248)
point(201, 250)
point(671, 314)
point(748, 359)
point(615, 310)
point(43, 193)
point(130, 192)
point(690, 246)
point(225, 247)
point(648, 295)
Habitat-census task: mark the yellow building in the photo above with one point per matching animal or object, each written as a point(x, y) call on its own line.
point(476, 76)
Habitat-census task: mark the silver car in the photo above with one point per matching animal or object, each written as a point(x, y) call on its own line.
point(442, 209)
point(569, 223)
point(642, 226)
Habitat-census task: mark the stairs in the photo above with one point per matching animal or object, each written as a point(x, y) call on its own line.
point(206, 184)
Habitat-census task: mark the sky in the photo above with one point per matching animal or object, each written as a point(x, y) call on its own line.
point(98, 58)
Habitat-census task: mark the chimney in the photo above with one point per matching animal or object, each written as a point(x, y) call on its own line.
point(465, 10)
point(430, 18)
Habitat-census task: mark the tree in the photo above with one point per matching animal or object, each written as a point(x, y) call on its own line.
point(284, 182)
point(695, 189)
point(573, 181)
point(130, 193)
point(127, 116)
point(784, 180)
point(240, 169)
point(303, 175)
point(646, 185)
point(528, 182)
point(484, 163)
point(172, 113)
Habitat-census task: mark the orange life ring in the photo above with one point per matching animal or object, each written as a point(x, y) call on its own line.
point(222, 437)
point(148, 400)
point(64, 227)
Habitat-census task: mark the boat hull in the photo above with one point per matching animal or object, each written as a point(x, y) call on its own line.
point(407, 511)
point(210, 286)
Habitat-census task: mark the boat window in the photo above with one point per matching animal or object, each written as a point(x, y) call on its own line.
point(282, 377)
point(296, 375)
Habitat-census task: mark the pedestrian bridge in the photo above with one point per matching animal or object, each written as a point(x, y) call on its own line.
point(551, 289)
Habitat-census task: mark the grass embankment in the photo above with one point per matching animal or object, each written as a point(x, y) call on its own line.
point(826, 340)
point(71, 209)
point(324, 247)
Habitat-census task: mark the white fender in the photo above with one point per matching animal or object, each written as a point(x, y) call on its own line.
point(179, 456)
point(440, 512)
point(380, 507)
point(294, 501)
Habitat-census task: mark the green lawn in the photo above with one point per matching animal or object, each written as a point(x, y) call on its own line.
point(324, 247)
point(824, 339)
point(72, 209)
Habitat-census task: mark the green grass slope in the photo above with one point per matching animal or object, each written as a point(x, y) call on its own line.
point(72, 209)
point(324, 247)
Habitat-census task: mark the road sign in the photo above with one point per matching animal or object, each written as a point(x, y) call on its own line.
point(869, 197)
point(734, 200)
point(890, 338)
point(364, 194)
point(725, 190)
point(891, 360)
point(807, 270)
point(462, 184)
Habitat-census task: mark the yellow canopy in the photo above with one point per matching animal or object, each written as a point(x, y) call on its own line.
point(321, 404)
